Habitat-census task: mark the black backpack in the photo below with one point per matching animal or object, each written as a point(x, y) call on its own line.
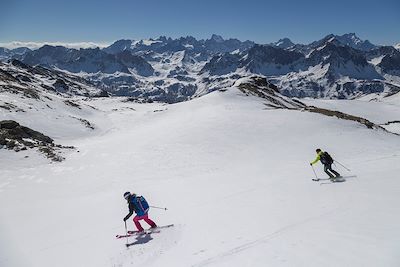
point(326, 158)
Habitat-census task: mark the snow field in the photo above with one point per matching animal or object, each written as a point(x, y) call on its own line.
point(235, 178)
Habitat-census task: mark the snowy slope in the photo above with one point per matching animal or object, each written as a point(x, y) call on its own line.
point(233, 174)
point(383, 111)
point(47, 101)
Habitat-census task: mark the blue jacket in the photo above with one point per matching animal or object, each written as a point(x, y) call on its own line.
point(137, 204)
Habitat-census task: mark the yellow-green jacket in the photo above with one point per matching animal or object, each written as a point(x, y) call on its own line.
point(317, 158)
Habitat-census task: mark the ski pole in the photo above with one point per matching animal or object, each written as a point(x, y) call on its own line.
point(316, 177)
point(158, 208)
point(342, 165)
point(126, 233)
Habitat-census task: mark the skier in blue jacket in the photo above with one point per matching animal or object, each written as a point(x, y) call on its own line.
point(139, 205)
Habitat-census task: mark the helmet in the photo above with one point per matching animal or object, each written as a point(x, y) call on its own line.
point(318, 150)
point(127, 195)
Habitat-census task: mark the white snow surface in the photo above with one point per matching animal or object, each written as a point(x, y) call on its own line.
point(375, 61)
point(235, 178)
point(376, 111)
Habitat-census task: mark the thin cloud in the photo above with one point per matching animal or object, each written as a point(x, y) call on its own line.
point(36, 45)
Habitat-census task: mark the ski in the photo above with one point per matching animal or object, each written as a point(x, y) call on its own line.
point(333, 181)
point(147, 231)
point(151, 229)
point(122, 236)
point(134, 233)
point(326, 179)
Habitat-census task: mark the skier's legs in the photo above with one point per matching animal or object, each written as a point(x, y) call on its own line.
point(149, 221)
point(326, 169)
point(137, 223)
point(333, 171)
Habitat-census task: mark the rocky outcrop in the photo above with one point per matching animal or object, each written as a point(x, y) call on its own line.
point(16, 137)
point(260, 87)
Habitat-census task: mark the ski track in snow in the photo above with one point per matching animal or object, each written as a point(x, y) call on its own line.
point(260, 241)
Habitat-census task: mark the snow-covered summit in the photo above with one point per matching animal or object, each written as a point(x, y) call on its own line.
point(352, 40)
point(216, 38)
point(349, 39)
point(284, 43)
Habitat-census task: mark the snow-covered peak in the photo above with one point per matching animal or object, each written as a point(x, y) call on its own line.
point(217, 38)
point(397, 46)
point(352, 40)
point(353, 37)
point(349, 39)
point(118, 46)
point(283, 43)
point(148, 42)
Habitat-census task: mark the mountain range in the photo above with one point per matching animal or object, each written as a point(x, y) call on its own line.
point(173, 70)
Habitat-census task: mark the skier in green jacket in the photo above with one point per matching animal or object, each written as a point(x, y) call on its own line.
point(327, 161)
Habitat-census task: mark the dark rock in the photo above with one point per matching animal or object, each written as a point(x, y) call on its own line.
point(20, 64)
point(13, 136)
point(3, 141)
point(37, 135)
point(23, 78)
point(72, 104)
point(341, 115)
point(10, 144)
point(8, 124)
point(6, 76)
point(60, 85)
point(260, 87)
point(102, 93)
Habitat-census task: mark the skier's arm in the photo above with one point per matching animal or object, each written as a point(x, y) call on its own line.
point(316, 159)
point(131, 209)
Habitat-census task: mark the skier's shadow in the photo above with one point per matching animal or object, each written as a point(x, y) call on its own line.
point(141, 239)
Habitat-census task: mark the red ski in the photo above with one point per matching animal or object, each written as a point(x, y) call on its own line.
point(148, 231)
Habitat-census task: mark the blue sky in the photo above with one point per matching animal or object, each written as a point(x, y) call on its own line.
point(260, 21)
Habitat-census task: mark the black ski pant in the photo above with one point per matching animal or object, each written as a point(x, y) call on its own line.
point(328, 169)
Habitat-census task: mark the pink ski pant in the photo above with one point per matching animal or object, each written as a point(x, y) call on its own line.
point(146, 219)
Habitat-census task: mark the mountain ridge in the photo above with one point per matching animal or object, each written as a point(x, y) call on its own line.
point(174, 70)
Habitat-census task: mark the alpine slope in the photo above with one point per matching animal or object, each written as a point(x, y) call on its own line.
point(231, 167)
